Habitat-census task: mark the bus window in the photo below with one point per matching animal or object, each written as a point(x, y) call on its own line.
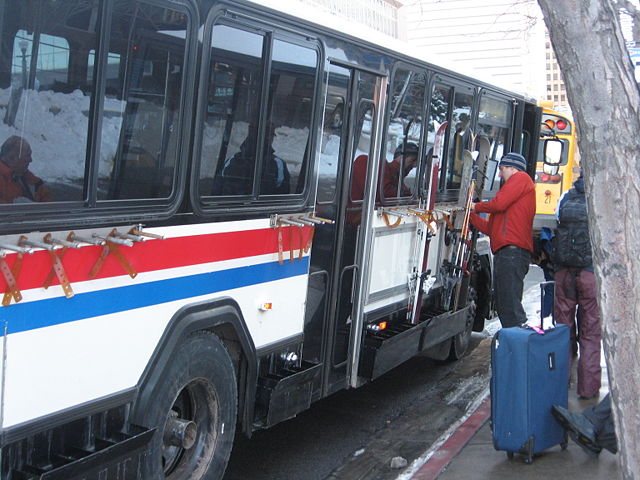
point(227, 161)
point(291, 91)
point(403, 133)
point(438, 114)
point(139, 148)
point(332, 133)
point(460, 137)
point(494, 119)
point(45, 100)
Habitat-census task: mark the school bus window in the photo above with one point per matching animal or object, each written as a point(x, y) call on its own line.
point(45, 102)
point(403, 134)
point(139, 142)
point(229, 130)
point(291, 92)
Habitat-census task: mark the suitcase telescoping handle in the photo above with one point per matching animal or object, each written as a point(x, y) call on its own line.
point(543, 285)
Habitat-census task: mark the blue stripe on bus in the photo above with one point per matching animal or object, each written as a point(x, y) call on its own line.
point(27, 316)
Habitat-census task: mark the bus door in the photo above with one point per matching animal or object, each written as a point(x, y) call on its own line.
point(351, 133)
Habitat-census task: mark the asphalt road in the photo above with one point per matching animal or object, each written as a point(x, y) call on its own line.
point(354, 434)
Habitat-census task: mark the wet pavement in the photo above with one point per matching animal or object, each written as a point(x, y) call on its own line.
point(468, 452)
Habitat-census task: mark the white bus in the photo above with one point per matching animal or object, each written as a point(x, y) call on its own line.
point(190, 248)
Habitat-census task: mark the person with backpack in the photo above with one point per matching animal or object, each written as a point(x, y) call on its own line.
point(576, 285)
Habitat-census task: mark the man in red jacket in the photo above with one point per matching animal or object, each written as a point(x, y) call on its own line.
point(17, 183)
point(509, 227)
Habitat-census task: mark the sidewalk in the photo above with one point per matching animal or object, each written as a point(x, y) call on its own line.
point(469, 452)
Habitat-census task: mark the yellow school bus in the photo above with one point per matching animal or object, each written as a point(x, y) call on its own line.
point(557, 165)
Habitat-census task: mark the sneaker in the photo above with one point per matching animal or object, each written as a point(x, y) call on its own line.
point(580, 429)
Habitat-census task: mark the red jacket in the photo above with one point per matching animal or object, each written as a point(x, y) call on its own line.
point(10, 188)
point(511, 214)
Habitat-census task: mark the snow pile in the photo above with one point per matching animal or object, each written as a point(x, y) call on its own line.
point(55, 125)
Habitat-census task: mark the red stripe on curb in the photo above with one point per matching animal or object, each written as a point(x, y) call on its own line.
point(455, 443)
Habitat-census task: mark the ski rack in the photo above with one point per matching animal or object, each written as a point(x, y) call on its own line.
point(297, 220)
point(56, 248)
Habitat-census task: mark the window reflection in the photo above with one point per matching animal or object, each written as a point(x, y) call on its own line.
point(460, 137)
point(403, 134)
point(494, 120)
point(229, 135)
point(291, 90)
point(44, 100)
point(139, 144)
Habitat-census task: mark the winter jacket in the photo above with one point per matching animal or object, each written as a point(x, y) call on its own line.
point(27, 187)
point(511, 214)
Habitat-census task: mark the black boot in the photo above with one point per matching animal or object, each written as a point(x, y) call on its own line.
point(580, 429)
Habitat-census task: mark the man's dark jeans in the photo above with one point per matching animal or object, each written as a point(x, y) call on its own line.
point(510, 265)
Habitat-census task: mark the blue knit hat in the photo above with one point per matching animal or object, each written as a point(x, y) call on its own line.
point(514, 160)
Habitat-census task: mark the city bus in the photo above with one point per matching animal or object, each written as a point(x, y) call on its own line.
point(552, 178)
point(184, 256)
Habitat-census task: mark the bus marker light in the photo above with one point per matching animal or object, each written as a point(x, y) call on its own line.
point(550, 123)
point(265, 307)
point(561, 124)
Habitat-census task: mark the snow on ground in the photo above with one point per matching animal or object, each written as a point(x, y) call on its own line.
point(55, 125)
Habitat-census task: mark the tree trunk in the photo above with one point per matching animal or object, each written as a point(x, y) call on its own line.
point(604, 98)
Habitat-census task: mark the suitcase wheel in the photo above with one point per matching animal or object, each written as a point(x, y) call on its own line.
point(528, 459)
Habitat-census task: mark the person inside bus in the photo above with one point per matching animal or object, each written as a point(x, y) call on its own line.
point(406, 152)
point(17, 183)
point(236, 176)
point(405, 157)
point(510, 231)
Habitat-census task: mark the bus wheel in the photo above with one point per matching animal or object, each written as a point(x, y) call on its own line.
point(460, 342)
point(195, 412)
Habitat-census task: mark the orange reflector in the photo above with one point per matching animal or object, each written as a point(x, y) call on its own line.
point(266, 306)
point(550, 123)
point(382, 325)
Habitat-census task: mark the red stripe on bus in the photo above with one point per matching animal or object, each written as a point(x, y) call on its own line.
point(155, 255)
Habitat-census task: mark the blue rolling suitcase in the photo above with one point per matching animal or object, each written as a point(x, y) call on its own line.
point(530, 373)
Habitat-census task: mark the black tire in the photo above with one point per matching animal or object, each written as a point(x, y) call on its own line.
point(460, 342)
point(199, 386)
point(510, 455)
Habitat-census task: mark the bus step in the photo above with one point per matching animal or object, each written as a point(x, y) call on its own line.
point(117, 459)
point(29, 471)
point(386, 349)
point(283, 396)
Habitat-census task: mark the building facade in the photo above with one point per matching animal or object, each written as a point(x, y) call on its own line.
point(504, 38)
point(379, 15)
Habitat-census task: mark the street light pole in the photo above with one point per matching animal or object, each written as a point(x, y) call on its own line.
point(23, 44)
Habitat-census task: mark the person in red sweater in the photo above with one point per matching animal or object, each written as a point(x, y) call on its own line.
point(17, 183)
point(510, 230)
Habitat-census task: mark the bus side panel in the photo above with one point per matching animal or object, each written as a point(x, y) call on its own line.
point(64, 352)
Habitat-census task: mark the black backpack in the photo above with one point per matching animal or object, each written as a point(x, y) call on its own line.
point(571, 243)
